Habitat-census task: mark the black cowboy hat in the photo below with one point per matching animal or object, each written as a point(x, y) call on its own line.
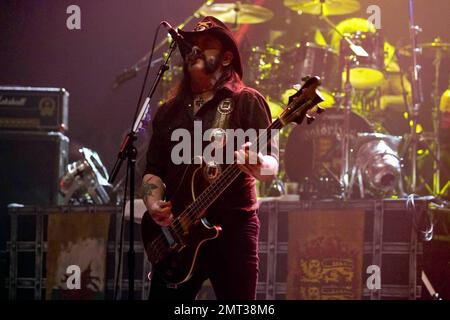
point(217, 28)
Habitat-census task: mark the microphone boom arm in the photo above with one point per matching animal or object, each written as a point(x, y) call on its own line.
point(131, 72)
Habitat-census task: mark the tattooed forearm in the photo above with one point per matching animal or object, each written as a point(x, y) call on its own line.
point(152, 189)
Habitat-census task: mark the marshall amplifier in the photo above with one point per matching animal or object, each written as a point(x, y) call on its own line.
point(33, 108)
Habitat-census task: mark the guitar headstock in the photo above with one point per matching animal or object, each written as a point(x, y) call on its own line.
point(304, 100)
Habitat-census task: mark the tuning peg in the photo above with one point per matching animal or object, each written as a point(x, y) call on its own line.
point(320, 109)
point(309, 119)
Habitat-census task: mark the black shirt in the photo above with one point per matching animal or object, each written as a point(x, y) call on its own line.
point(250, 110)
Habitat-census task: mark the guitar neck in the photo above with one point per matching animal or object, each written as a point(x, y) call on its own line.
point(299, 103)
point(216, 188)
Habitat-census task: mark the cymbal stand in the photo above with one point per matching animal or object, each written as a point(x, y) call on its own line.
point(417, 96)
point(345, 136)
point(236, 10)
point(433, 141)
point(436, 118)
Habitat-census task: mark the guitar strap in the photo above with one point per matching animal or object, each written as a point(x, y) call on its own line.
point(222, 121)
point(223, 114)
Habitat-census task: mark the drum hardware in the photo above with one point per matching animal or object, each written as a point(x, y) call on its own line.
point(417, 96)
point(428, 49)
point(377, 165)
point(438, 49)
point(345, 183)
point(310, 58)
point(86, 180)
point(313, 154)
point(358, 52)
point(332, 175)
point(425, 142)
point(366, 71)
point(366, 50)
point(431, 141)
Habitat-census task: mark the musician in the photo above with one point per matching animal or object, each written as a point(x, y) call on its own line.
point(212, 88)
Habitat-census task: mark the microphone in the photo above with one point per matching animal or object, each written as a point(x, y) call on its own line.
point(185, 47)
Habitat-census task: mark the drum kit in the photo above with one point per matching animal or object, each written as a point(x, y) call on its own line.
point(359, 146)
point(367, 139)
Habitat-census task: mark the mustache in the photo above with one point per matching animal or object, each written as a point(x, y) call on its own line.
point(196, 53)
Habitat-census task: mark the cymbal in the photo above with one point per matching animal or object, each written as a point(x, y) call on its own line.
point(330, 7)
point(429, 48)
point(237, 12)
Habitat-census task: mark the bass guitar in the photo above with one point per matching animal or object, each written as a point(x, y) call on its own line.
point(173, 250)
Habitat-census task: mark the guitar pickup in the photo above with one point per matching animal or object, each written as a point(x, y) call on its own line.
point(170, 235)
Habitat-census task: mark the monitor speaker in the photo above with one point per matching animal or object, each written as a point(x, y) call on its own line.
point(31, 164)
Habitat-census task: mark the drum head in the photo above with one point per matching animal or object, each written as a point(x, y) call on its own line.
point(366, 72)
point(309, 59)
point(364, 77)
point(313, 152)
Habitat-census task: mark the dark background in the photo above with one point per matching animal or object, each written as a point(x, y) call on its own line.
point(37, 49)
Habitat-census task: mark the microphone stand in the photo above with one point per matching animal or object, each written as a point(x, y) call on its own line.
point(132, 71)
point(128, 151)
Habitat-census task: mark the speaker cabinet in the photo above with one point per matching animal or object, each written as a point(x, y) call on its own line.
point(31, 164)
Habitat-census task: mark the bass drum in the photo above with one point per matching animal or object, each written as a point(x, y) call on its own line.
point(313, 153)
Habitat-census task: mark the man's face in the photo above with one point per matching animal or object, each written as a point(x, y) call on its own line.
point(211, 58)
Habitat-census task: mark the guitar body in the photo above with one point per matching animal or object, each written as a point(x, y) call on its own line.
point(173, 251)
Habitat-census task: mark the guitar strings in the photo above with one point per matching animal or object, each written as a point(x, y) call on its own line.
point(203, 199)
point(221, 183)
point(159, 242)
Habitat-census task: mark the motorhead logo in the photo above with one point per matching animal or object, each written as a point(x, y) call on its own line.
point(203, 25)
point(225, 107)
point(47, 107)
